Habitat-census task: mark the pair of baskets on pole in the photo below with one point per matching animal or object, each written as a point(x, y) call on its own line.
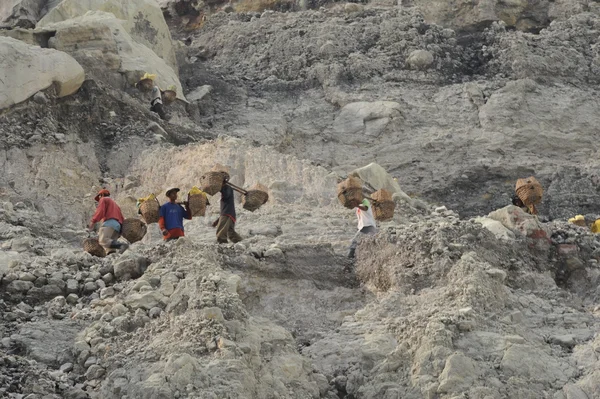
point(252, 199)
point(350, 194)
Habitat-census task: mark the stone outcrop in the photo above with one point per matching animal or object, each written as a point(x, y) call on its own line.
point(24, 13)
point(142, 20)
point(26, 70)
point(471, 16)
point(101, 44)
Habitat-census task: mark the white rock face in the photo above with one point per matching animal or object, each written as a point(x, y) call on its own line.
point(496, 228)
point(100, 42)
point(142, 19)
point(25, 70)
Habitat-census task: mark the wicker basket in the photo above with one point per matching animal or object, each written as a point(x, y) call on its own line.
point(133, 230)
point(93, 247)
point(529, 191)
point(197, 203)
point(169, 96)
point(383, 210)
point(350, 192)
point(212, 182)
point(150, 211)
point(381, 195)
point(145, 85)
point(257, 196)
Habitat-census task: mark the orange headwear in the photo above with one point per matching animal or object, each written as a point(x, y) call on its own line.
point(102, 193)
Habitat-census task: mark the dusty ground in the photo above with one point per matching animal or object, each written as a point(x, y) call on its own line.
point(437, 305)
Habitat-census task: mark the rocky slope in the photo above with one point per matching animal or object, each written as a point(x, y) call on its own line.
point(455, 106)
point(456, 117)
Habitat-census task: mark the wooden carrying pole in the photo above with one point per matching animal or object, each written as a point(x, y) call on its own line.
point(236, 188)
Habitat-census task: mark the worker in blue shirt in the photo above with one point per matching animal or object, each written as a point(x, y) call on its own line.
point(171, 216)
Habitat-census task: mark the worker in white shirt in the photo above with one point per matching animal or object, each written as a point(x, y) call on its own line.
point(156, 104)
point(366, 225)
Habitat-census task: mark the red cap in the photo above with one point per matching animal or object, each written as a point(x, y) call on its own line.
point(104, 193)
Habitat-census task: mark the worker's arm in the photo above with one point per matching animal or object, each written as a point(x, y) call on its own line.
point(161, 221)
point(187, 213)
point(99, 214)
point(365, 205)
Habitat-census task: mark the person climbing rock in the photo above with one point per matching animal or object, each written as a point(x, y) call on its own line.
point(171, 216)
point(516, 201)
point(366, 225)
point(109, 213)
point(156, 104)
point(226, 223)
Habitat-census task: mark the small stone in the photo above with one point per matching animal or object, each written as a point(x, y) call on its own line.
point(108, 278)
point(94, 372)
point(89, 287)
point(140, 284)
point(155, 312)
point(497, 274)
point(119, 310)
point(72, 286)
point(107, 292)
point(72, 299)
point(40, 98)
point(466, 311)
point(40, 281)
point(51, 291)
point(90, 361)
point(24, 307)
point(567, 340)
point(274, 254)
point(27, 277)
point(100, 283)
point(67, 367)
point(19, 286)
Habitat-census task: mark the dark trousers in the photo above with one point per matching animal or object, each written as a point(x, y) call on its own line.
point(226, 230)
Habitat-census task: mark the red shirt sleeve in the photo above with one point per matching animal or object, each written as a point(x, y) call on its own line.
point(100, 211)
point(161, 223)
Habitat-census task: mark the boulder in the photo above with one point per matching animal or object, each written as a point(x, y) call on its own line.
point(496, 228)
point(458, 374)
point(142, 19)
point(367, 118)
point(534, 365)
point(377, 177)
point(473, 15)
point(26, 69)
point(146, 300)
point(99, 42)
point(520, 223)
point(420, 59)
point(130, 266)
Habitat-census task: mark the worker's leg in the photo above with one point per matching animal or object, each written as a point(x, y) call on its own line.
point(222, 229)
point(158, 108)
point(106, 236)
point(368, 230)
point(232, 234)
point(354, 244)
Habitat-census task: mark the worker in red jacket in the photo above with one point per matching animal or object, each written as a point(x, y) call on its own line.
point(109, 213)
point(171, 217)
